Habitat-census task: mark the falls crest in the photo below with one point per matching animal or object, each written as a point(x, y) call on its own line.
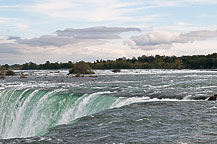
point(31, 112)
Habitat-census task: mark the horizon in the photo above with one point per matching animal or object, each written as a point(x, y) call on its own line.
point(68, 30)
point(104, 59)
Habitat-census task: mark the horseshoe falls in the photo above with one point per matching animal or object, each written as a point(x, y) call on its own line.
point(31, 112)
point(133, 106)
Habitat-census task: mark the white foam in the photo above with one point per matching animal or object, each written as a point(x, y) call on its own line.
point(122, 101)
point(214, 107)
point(154, 71)
point(78, 108)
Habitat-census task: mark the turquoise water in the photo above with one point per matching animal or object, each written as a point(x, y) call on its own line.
point(137, 106)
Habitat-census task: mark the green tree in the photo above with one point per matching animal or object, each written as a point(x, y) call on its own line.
point(81, 68)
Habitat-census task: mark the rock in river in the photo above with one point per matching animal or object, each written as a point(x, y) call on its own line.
point(212, 98)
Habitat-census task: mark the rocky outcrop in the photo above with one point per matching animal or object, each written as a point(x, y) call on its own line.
point(212, 98)
point(10, 73)
point(116, 70)
point(81, 68)
point(22, 75)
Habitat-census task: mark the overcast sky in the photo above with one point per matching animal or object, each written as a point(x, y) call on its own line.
point(63, 30)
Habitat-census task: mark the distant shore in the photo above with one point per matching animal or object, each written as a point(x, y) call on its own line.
point(143, 62)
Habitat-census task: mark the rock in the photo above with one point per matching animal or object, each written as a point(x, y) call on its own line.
point(10, 73)
point(199, 98)
point(23, 75)
point(93, 76)
point(2, 76)
point(212, 98)
point(79, 75)
point(116, 70)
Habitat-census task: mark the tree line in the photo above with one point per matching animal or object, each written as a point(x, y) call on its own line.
point(143, 62)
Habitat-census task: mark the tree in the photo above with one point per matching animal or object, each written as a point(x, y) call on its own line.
point(2, 72)
point(81, 68)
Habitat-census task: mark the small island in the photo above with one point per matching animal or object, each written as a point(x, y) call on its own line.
point(81, 68)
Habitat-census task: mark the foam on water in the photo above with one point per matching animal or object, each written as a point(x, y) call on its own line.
point(122, 101)
point(79, 108)
point(123, 72)
point(152, 71)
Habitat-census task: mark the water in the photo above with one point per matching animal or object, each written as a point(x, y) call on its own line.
point(134, 106)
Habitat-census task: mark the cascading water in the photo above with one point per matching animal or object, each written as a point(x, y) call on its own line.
point(31, 112)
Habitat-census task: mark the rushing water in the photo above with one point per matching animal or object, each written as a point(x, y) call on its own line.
point(134, 106)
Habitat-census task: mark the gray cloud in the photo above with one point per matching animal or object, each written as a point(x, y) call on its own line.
point(73, 36)
point(47, 40)
point(9, 48)
point(165, 40)
point(13, 38)
point(198, 35)
point(63, 43)
point(95, 32)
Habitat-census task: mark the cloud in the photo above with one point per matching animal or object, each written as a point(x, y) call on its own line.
point(21, 26)
point(95, 10)
point(9, 48)
point(3, 19)
point(102, 43)
point(174, 3)
point(73, 36)
point(69, 44)
point(208, 15)
point(14, 25)
point(155, 38)
point(199, 35)
point(184, 24)
point(165, 40)
point(95, 32)
point(13, 38)
point(200, 1)
point(117, 11)
point(197, 47)
point(47, 40)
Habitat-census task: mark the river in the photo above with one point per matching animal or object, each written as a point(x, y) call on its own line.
point(133, 106)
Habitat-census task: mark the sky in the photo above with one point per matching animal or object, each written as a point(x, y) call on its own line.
point(72, 30)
